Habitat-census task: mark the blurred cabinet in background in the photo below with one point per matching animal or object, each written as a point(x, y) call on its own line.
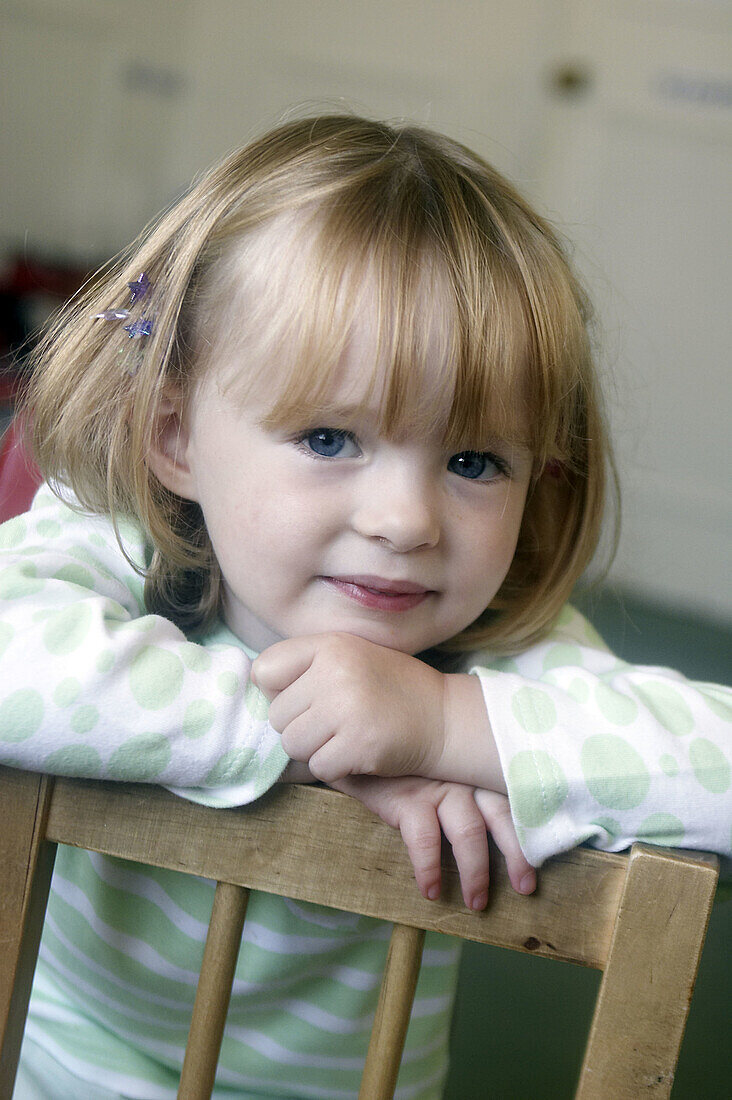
point(91, 91)
point(637, 169)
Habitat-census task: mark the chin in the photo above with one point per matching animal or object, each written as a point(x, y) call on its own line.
point(379, 634)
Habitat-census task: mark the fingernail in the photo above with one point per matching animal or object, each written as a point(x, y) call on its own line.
point(433, 893)
point(528, 883)
point(480, 900)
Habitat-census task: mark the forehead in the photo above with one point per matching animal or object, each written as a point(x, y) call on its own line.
point(378, 335)
point(399, 381)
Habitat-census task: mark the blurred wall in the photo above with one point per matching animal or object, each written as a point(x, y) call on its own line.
point(637, 167)
point(613, 115)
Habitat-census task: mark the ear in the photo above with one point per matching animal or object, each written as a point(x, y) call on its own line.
point(168, 456)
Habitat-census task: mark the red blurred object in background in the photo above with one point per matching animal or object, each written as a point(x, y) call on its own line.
point(31, 289)
point(19, 475)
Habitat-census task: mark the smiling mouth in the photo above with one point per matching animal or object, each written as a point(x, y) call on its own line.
point(379, 593)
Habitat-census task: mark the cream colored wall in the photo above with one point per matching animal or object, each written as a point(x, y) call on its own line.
point(90, 92)
point(638, 170)
point(473, 67)
point(111, 107)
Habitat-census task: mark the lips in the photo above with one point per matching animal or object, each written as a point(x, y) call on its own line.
point(380, 593)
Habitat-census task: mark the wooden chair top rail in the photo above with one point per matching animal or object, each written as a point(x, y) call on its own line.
point(273, 844)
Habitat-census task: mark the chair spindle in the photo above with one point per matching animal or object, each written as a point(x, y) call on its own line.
point(214, 991)
point(392, 1013)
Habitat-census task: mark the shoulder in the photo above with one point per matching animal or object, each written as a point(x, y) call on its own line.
point(57, 539)
point(56, 512)
point(568, 642)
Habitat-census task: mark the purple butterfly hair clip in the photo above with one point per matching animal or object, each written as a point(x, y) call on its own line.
point(141, 326)
point(139, 288)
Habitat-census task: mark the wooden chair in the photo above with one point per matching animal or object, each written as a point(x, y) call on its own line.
point(640, 917)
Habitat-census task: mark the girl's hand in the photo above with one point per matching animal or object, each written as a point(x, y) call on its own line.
point(346, 706)
point(423, 809)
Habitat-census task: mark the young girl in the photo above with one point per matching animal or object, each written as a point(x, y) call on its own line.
point(328, 459)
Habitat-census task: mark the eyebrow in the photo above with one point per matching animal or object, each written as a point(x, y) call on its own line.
point(347, 413)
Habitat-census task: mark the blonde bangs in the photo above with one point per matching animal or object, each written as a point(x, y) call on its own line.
point(446, 320)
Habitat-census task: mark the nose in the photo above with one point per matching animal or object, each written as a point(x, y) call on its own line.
point(399, 508)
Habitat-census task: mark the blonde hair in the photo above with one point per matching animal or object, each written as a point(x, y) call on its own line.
point(426, 223)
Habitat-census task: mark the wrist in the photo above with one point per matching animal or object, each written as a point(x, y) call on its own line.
point(469, 754)
point(296, 772)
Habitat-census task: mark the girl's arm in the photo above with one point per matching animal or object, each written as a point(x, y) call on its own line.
point(92, 686)
point(594, 749)
point(587, 747)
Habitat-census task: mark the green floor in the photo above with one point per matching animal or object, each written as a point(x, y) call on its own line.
point(521, 1022)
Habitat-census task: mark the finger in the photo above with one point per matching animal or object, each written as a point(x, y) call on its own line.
point(463, 825)
point(290, 703)
point(328, 761)
point(302, 738)
point(281, 664)
point(497, 815)
point(421, 834)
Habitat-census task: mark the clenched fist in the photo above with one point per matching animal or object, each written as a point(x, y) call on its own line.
point(346, 706)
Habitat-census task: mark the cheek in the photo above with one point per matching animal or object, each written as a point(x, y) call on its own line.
point(488, 549)
point(497, 523)
point(282, 520)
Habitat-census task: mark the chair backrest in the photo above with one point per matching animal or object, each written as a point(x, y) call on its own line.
point(641, 918)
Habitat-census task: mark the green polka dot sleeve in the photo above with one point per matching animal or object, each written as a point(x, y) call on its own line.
point(93, 686)
point(595, 750)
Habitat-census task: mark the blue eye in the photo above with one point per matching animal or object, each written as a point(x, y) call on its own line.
point(477, 465)
point(330, 442)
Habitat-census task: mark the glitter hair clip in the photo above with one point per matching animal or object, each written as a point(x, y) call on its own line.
point(141, 326)
point(139, 288)
point(112, 315)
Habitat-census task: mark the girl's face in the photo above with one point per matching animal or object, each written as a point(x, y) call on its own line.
point(334, 527)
